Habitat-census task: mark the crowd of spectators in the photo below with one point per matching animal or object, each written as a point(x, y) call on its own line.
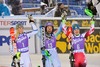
point(16, 7)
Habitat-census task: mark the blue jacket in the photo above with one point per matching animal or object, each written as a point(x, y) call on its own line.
point(5, 9)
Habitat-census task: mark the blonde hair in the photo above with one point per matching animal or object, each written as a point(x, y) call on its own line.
point(17, 33)
point(17, 26)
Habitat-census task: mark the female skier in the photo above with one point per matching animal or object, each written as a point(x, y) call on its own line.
point(50, 46)
point(22, 43)
point(78, 42)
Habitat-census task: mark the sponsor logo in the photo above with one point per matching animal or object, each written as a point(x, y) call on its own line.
point(7, 23)
point(4, 39)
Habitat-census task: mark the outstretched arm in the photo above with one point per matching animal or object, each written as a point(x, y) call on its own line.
point(86, 34)
point(34, 31)
point(64, 27)
point(59, 30)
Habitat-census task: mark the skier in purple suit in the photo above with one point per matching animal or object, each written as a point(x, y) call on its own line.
point(50, 45)
point(22, 43)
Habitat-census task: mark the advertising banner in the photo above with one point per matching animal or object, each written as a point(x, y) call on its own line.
point(92, 44)
point(12, 22)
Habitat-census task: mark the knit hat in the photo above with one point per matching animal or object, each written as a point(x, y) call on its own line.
point(48, 24)
point(19, 25)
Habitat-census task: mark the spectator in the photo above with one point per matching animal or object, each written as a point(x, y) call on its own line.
point(92, 7)
point(4, 8)
point(43, 8)
point(61, 9)
point(16, 7)
point(96, 3)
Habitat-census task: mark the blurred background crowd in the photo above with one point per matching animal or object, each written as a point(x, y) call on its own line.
point(53, 8)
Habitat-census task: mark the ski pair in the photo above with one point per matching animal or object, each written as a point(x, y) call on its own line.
point(45, 53)
point(15, 62)
point(69, 33)
point(71, 57)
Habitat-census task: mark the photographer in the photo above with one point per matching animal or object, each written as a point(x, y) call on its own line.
point(91, 7)
point(16, 7)
point(61, 9)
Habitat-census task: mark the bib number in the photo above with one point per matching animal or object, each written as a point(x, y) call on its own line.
point(78, 46)
point(50, 45)
point(23, 44)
